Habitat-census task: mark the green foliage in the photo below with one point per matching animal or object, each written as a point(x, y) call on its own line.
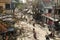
point(20, 5)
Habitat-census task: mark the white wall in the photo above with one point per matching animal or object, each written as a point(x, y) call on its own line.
point(23, 1)
point(46, 10)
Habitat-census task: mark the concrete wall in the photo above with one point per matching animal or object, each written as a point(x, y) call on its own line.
point(57, 1)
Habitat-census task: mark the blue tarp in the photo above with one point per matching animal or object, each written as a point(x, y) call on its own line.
point(11, 29)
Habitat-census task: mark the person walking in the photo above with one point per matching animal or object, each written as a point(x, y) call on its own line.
point(34, 34)
point(47, 37)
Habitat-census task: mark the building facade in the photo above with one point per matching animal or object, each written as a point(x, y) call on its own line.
point(57, 7)
point(6, 6)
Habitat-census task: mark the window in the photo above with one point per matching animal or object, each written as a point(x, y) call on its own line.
point(49, 11)
point(7, 6)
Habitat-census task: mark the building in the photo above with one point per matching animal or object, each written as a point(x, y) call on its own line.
point(5, 6)
point(48, 6)
point(57, 6)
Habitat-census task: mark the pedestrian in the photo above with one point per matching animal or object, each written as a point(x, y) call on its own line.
point(34, 34)
point(3, 35)
point(34, 24)
point(47, 37)
point(50, 23)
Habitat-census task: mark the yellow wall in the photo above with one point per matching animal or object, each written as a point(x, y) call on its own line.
point(5, 1)
point(2, 4)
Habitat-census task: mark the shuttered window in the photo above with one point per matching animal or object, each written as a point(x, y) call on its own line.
point(7, 6)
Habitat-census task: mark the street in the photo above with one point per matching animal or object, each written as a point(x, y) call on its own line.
point(29, 19)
